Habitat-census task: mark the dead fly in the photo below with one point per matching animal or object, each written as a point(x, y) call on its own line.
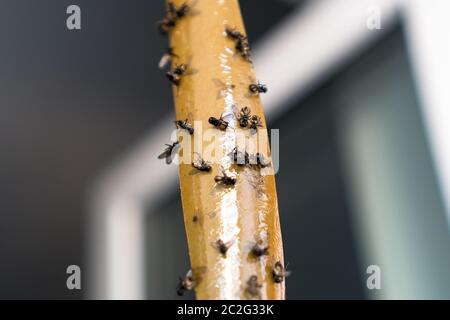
point(179, 12)
point(225, 179)
point(200, 164)
point(243, 48)
point(184, 124)
point(186, 284)
point(173, 14)
point(223, 88)
point(257, 88)
point(258, 250)
point(253, 287)
point(184, 9)
point(244, 116)
point(180, 70)
point(239, 39)
point(255, 122)
point(232, 33)
point(218, 123)
point(239, 157)
point(279, 272)
point(175, 74)
point(241, 43)
point(167, 23)
point(167, 154)
point(223, 246)
point(170, 19)
point(166, 58)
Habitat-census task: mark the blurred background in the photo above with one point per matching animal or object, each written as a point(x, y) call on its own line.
point(363, 136)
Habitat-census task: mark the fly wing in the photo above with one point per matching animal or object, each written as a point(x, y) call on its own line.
point(214, 244)
point(198, 273)
point(197, 160)
point(249, 94)
point(171, 152)
point(235, 109)
point(260, 241)
point(193, 11)
point(198, 157)
point(164, 154)
point(273, 261)
point(228, 116)
point(230, 243)
point(169, 159)
point(285, 271)
point(220, 94)
point(164, 61)
point(167, 151)
point(191, 71)
point(219, 83)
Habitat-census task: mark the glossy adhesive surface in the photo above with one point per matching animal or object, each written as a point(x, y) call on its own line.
point(246, 212)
